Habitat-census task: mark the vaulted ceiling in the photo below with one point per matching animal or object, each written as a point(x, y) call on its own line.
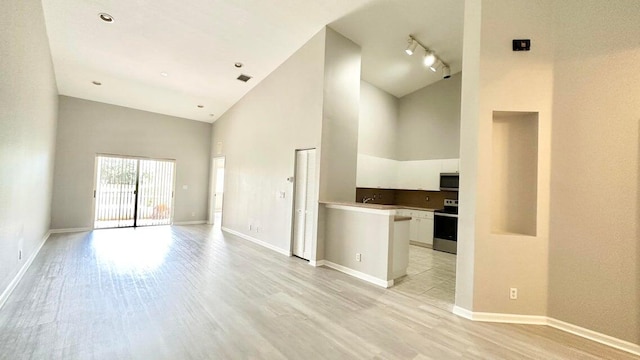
point(169, 57)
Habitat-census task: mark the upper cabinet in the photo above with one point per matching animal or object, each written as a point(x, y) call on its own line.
point(419, 175)
point(450, 165)
point(375, 172)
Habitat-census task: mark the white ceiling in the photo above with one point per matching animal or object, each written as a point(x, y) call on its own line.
point(197, 42)
point(381, 28)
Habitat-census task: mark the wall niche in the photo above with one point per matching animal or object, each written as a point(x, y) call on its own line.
point(514, 173)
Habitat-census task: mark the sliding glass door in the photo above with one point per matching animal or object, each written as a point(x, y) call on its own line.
point(133, 192)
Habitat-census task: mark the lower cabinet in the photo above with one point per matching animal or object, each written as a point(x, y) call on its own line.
point(420, 226)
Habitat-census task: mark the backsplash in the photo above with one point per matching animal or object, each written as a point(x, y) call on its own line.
point(378, 196)
point(415, 198)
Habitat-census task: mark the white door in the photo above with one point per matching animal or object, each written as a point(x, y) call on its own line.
point(305, 203)
point(216, 190)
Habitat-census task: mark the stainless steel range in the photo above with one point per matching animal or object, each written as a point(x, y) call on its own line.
point(445, 227)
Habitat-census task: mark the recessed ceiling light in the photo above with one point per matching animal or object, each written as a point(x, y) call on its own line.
point(106, 17)
point(238, 65)
point(164, 74)
point(200, 106)
point(98, 83)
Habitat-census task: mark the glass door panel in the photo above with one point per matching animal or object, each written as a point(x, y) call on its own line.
point(115, 192)
point(155, 188)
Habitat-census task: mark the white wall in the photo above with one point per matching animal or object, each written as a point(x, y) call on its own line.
point(429, 122)
point(378, 123)
point(259, 136)
point(86, 128)
point(594, 270)
point(28, 112)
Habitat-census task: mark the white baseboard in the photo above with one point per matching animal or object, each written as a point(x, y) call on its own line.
point(595, 336)
point(70, 230)
point(12, 285)
point(316, 263)
point(500, 317)
point(360, 275)
point(195, 222)
point(257, 241)
point(544, 320)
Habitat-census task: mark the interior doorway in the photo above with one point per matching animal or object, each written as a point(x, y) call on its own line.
point(132, 191)
point(216, 191)
point(305, 202)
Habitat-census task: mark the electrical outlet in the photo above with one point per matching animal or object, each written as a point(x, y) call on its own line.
point(358, 257)
point(513, 293)
point(193, 214)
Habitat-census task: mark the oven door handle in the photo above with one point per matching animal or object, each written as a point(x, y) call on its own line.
point(446, 215)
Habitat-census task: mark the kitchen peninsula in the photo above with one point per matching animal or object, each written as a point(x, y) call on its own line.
point(368, 241)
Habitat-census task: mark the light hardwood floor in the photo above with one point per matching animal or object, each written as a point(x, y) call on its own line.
point(191, 292)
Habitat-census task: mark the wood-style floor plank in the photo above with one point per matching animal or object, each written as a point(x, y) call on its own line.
point(192, 292)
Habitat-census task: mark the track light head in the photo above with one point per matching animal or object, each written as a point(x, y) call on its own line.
point(429, 58)
point(446, 72)
point(411, 47)
point(436, 65)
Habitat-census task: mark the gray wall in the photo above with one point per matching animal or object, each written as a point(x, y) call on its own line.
point(259, 136)
point(341, 107)
point(348, 232)
point(594, 257)
point(86, 128)
point(28, 111)
point(419, 126)
point(378, 124)
point(429, 122)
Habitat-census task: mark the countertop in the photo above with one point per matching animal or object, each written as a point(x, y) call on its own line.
point(375, 206)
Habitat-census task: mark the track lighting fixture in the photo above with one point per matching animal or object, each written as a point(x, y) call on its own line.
point(411, 48)
point(446, 72)
point(435, 66)
point(430, 60)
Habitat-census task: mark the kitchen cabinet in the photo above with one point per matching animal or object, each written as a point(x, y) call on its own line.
point(420, 226)
point(419, 175)
point(450, 165)
point(375, 172)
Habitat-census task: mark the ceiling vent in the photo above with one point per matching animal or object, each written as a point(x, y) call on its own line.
point(244, 78)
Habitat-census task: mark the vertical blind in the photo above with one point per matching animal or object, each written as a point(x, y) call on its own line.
point(133, 192)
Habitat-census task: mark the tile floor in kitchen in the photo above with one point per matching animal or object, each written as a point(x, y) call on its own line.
point(431, 277)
